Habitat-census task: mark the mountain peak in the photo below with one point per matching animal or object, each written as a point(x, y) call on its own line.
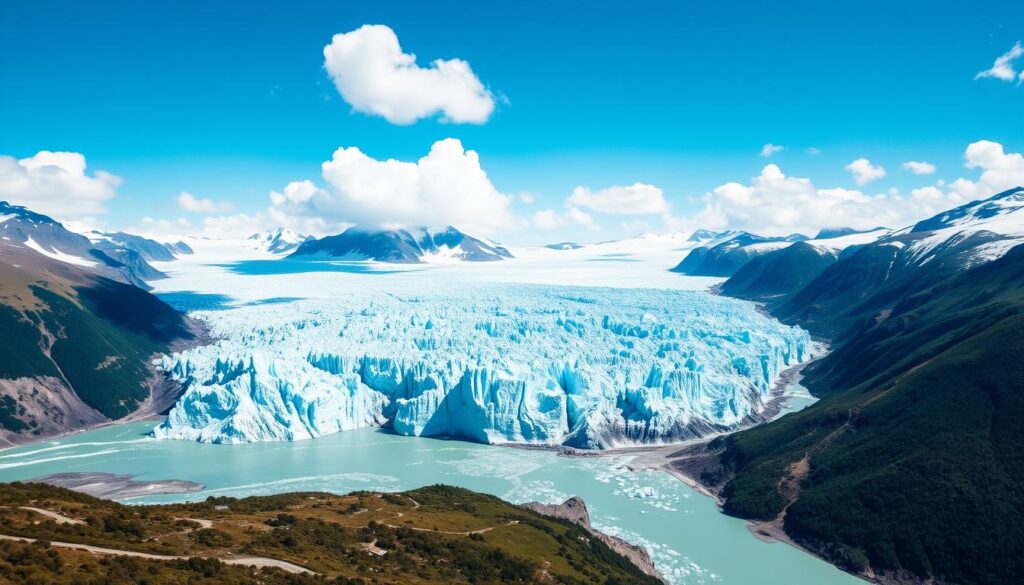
point(403, 246)
point(277, 241)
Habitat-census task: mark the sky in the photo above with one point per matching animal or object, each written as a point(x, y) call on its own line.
point(526, 122)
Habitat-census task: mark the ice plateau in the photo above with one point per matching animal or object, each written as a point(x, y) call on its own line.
point(493, 363)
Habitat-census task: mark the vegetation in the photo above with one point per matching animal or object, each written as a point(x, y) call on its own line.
point(98, 340)
point(912, 464)
point(437, 534)
point(21, 346)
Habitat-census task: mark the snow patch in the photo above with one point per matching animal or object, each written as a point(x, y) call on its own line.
point(58, 255)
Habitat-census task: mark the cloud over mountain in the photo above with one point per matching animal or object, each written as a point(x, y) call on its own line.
point(447, 186)
point(56, 183)
point(773, 203)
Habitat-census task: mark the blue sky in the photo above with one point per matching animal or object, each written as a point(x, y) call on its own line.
point(231, 101)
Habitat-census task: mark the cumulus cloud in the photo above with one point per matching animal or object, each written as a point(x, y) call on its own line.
point(919, 167)
point(1000, 170)
point(375, 77)
point(56, 183)
point(549, 219)
point(776, 204)
point(773, 203)
point(635, 199)
point(864, 172)
point(769, 149)
point(190, 202)
point(1003, 68)
point(447, 186)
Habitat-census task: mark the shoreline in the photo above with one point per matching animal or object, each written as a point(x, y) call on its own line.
point(660, 457)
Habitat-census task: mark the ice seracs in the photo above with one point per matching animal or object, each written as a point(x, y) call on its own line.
point(587, 367)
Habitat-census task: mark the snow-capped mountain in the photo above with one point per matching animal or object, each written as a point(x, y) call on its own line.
point(722, 254)
point(43, 235)
point(868, 276)
point(838, 232)
point(795, 265)
point(276, 241)
point(76, 337)
point(150, 250)
point(401, 246)
point(855, 266)
point(977, 232)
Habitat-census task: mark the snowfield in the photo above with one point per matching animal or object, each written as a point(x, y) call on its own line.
point(552, 347)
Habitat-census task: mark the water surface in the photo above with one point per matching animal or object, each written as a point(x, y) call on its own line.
point(690, 541)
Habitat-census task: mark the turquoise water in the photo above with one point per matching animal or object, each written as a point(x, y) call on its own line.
point(690, 541)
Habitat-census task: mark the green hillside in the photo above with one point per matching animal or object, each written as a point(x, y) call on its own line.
point(912, 465)
point(436, 534)
point(94, 335)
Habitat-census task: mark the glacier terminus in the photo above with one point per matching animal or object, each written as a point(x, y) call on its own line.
point(591, 367)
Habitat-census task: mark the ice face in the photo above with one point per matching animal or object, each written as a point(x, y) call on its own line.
point(540, 364)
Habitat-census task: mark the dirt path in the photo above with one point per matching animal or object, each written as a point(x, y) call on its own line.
point(201, 522)
point(238, 560)
point(467, 533)
point(59, 518)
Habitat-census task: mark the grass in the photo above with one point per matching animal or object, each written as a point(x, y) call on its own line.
point(328, 534)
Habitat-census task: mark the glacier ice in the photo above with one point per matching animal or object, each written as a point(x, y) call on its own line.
point(550, 365)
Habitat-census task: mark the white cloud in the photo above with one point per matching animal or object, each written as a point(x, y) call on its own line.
point(919, 167)
point(375, 77)
point(163, 228)
point(1003, 69)
point(635, 199)
point(864, 172)
point(812, 150)
point(1000, 171)
point(190, 202)
point(447, 186)
point(549, 219)
point(56, 183)
point(526, 197)
point(775, 204)
point(769, 149)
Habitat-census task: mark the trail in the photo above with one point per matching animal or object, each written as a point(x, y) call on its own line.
point(59, 518)
point(238, 560)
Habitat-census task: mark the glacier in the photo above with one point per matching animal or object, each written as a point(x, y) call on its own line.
point(586, 367)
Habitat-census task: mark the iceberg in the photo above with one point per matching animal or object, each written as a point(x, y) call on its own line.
point(536, 364)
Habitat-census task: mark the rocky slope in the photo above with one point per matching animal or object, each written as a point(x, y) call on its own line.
point(77, 344)
point(575, 510)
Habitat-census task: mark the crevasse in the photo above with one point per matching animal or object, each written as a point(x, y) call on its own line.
point(585, 367)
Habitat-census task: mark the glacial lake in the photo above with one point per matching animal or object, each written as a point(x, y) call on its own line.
point(690, 540)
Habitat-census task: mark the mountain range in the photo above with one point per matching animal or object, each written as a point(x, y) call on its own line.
point(79, 329)
point(117, 256)
point(401, 246)
point(722, 254)
point(909, 467)
point(277, 241)
point(906, 470)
